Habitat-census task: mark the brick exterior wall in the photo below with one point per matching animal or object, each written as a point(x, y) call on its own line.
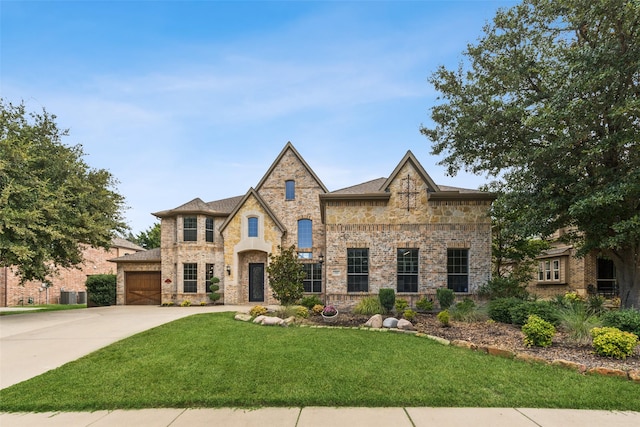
point(67, 279)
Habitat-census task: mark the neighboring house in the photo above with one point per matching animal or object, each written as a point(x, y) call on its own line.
point(96, 261)
point(559, 271)
point(403, 232)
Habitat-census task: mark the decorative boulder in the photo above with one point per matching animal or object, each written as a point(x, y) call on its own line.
point(272, 321)
point(390, 322)
point(243, 317)
point(405, 325)
point(374, 322)
point(258, 320)
point(289, 321)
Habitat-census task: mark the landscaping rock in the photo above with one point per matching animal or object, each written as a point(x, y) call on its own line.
point(571, 365)
point(258, 320)
point(243, 317)
point(405, 325)
point(374, 322)
point(530, 358)
point(439, 340)
point(634, 375)
point(390, 322)
point(464, 344)
point(272, 321)
point(608, 372)
point(500, 352)
point(289, 320)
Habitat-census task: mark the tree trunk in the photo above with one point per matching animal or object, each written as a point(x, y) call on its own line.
point(627, 262)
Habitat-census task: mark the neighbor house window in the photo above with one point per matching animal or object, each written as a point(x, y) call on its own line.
point(190, 229)
point(305, 234)
point(253, 226)
point(290, 190)
point(208, 274)
point(458, 270)
point(358, 270)
point(208, 228)
point(190, 277)
point(407, 270)
point(313, 277)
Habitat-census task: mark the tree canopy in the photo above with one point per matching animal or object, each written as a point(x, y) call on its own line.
point(548, 103)
point(51, 201)
point(148, 239)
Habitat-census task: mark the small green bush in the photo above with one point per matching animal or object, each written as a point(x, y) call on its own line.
point(409, 314)
point(627, 320)
point(185, 303)
point(578, 321)
point(445, 297)
point(310, 301)
point(612, 342)
point(500, 309)
point(401, 305)
point(317, 309)
point(257, 310)
point(538, 332)
point(425, 304)
point(302, 312)
point(521, 312)
point(101, 290)
point(465, 311)
point(368, 306)
point(443, 318)
point(503, 287)
point(214, 288)
point(387, 298)
point(595, 304)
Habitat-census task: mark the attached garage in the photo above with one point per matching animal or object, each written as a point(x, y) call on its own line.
point(142, 288)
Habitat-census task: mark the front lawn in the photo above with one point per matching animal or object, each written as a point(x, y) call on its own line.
point(211, 360)
point(39, 308)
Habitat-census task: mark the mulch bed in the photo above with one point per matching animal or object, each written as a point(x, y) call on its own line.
point(503, 336)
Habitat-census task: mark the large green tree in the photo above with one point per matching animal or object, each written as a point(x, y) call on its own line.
point(548, 102)
point(51, 202)
point(148, 239)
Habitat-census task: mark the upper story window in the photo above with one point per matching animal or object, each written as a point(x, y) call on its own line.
point(407, 261)
point(458, 270)
point(290, 190)
point(190, 229)
point(253, 226)
point(305, 234)
point(358, 270)
point(208, 228)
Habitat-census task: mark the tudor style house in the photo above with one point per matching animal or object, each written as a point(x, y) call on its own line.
point(403, 232)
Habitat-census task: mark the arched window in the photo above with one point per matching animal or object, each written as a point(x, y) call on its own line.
point(305, 234)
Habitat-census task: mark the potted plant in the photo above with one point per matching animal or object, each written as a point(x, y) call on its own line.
point(329, 314)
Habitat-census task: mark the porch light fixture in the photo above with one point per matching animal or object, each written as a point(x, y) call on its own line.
point(321, 259)
point(228, 270)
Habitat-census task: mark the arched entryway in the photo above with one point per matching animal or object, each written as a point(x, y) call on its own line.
point(253, 276)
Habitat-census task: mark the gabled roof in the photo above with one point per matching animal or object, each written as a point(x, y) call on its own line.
point(217, 207)
point(119, 242)
point(372, 186)
point(263, 205)
point(152, 255)
point(410, 158)
point(290, 147)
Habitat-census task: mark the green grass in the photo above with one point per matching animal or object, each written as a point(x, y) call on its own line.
point(44, 307)
point(211, 360)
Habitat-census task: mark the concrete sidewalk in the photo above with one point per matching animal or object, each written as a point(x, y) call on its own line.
point(322, 417)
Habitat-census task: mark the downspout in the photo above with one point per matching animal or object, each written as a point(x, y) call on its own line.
point(6, 286)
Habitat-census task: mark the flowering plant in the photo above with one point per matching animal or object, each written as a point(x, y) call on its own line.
point(329, 310)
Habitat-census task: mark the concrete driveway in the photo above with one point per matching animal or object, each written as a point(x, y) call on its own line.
point(33, 343)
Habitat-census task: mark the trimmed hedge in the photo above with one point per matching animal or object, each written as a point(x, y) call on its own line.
point(101, 290)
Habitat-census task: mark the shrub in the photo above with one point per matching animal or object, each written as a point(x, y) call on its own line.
point(257, 310)
point(317, 309)
point(214, 288)
point(387, 298)
point(286, 311)
point(521, 312)
point(466, 311)
point(302, 311)
point(443, 318)
point(503, 287)
point(445, 297)
point(409, 314)
point(401, 305)
point(577, 320)
point(538, 332)
point(627, 320)
point(101, 290)
point(286, 275)
point(500, 309)
point(310, 301)
point(425, 304)
point(612, 342)
point(368, 306)
point(185, 303)
point(595, 304)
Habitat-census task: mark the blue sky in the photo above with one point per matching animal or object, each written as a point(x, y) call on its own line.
point(196, 98)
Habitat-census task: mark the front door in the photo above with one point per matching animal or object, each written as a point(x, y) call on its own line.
point(256, 282)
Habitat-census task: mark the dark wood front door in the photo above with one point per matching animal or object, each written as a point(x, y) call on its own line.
point(256, 282)
point(143, 288)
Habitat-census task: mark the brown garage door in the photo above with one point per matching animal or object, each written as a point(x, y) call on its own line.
point(143, 288)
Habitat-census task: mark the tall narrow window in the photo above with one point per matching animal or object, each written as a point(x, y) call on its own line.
point(407, 270)
point(208, 228)
point(358, 270)
point(208, 274)
point(290, 190)
point(305, 234)
point(313, 277)
point(190, 277)
point(190, 229)
point(253, 226)
point(458, 270)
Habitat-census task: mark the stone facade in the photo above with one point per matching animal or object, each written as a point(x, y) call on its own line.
point(405, 211)
point(96, 261)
